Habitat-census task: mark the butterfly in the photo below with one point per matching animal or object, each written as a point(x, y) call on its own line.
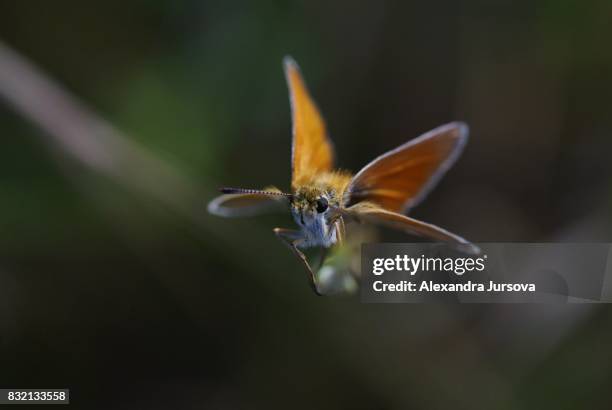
point(323, 198)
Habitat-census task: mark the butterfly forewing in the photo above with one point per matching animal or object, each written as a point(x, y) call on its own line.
point(400, 178)
point(312, 152)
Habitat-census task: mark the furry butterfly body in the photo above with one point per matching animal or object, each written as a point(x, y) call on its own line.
point(322, 199)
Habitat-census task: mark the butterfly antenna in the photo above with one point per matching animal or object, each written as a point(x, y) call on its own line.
point(253, 191)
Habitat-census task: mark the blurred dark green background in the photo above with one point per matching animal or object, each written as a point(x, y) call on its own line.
point(135, 298)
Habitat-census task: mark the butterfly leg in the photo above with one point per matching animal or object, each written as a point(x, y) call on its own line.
point(337, 224)
point(340, 230)
point(292, 239)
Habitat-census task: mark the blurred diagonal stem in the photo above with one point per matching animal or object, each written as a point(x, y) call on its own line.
point(87, 138)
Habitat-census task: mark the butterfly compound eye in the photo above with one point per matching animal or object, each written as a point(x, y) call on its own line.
point(322, 205)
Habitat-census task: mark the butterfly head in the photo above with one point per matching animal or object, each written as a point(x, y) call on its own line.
point(312, 208)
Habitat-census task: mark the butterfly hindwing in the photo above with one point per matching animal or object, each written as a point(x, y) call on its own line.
point(247, 204)
point(370, 212)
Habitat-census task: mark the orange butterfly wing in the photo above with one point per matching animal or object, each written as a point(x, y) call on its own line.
point(312, 152)
point(401, 178)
